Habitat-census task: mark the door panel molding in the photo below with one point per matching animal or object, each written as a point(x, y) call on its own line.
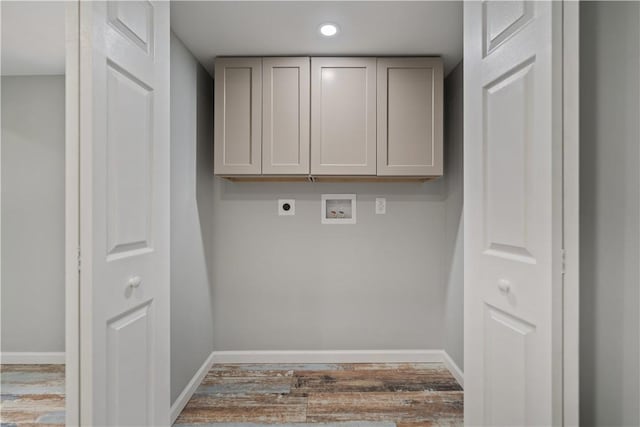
point(130, 368)
point(503, 21)
point(134, 19)
point(506, 359)
point(129, 163)
point(507, 138)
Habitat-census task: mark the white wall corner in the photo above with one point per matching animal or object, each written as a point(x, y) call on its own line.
point(32, 358)
point(453, 368)
point(190, 388)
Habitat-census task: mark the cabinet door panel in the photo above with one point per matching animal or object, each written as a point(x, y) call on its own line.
point(238, 116)
point(285, 109)
point(343, 116)
point(410, 116)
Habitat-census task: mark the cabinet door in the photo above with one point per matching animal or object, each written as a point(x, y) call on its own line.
point(410, 116)
point(343, 116)
point(285, 116)
point(238, 116)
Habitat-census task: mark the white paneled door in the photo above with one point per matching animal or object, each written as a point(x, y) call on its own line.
point(124, 213)
point(513, 213)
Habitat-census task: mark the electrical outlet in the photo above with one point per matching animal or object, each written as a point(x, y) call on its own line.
point(381, 206)
point(286, 207)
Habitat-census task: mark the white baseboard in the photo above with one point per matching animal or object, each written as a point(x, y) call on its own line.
point(453, 368)
point(329, 356)
point(191, 387)
point(32, 358)
point(303, 356)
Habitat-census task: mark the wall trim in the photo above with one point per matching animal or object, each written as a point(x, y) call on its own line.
point(453, 368)
point(32, 358)
point(190, 388)
point(310, 356)
point(329, 356)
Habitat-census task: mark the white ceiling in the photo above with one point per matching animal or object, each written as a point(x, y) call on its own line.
point(33, 32)
point(33, 38)
point(263, 28)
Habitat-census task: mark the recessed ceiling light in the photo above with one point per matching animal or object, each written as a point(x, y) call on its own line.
point(328, 30)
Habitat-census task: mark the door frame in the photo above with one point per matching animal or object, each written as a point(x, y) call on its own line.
point(571, 212)
point(72, 213)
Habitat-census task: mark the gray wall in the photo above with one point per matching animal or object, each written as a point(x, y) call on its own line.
point(33, 214)
point(454, 228)
point(291, 283)
point(244, 278)
point(609, 128)
point(191, 216)
point(391, 281)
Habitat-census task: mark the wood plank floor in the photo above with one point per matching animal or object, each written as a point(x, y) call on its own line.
point(325, 395)
point(31, 395)
point(345, 395)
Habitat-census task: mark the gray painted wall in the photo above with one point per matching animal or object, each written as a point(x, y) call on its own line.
point(257, 281)
point(454, 227)
point(391, 281)
point(291, 283)
point(33, 214)
point(609, 129)
point(191, 216)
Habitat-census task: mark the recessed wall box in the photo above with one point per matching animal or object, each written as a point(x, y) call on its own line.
point(338, 209)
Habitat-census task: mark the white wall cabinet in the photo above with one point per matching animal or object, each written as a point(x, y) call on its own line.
point(238, 116)
point(328, 117)
point(343, 116)
point(409, 117)
point(285, 116)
